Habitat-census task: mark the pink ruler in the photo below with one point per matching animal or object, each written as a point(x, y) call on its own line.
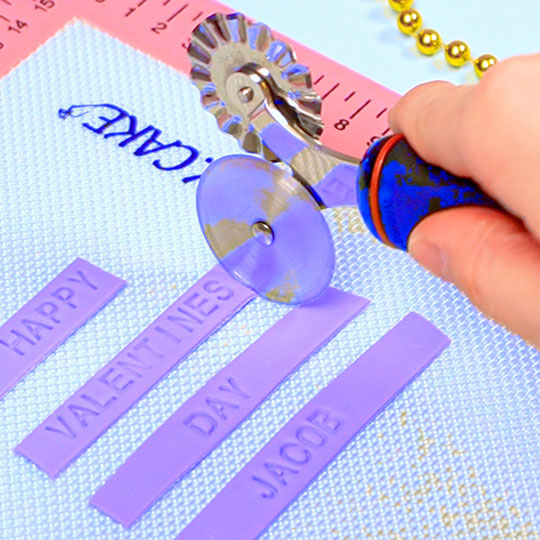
point(355, 108)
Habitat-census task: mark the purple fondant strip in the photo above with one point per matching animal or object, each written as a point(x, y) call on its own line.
point(308, 443)
point(98, 404)
point(47, 320)
point(222, 404)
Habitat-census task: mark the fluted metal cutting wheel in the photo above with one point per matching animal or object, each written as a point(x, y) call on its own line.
point(222, 44)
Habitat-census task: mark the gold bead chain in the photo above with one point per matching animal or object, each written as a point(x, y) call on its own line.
point(429, 42)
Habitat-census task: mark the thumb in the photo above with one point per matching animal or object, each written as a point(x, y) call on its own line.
point(491, 257)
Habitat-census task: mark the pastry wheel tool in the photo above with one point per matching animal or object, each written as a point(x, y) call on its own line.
point(261, 216)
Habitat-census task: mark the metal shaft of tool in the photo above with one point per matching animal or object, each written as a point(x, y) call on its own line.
point(330, 176)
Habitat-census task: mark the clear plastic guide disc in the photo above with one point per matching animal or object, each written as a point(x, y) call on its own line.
point(266, 229)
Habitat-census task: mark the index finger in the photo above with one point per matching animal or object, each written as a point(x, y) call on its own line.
point(429, 117)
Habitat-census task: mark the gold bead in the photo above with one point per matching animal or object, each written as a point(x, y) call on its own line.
point(409, 21)
point(457, 53)
point(428, 41)
point(400, 5)
point(483, 63)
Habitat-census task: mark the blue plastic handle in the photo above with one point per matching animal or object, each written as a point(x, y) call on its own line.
point(397, 189)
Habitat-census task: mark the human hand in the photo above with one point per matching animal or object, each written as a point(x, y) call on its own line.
point(489, 132)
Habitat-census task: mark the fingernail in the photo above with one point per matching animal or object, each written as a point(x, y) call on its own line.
point(431, 257)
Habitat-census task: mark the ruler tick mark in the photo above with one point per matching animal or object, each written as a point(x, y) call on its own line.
point(197, 16)
point(385, 131)
point(166, 2)
point(141, 3)
point(5, 18)
point(176, 13)
point(349, 96)
point(360, 109)
point(7, 2)
point(382, 112)
point(330, 91)
point(319, 80)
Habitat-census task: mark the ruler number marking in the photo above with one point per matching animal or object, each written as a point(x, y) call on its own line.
point(131, 9)
point(19, 25)
point(360, 109)
point(159, 26)
point(43, 5)
point(342, 124)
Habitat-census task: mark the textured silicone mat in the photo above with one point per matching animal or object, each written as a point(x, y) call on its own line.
point(455, 456)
